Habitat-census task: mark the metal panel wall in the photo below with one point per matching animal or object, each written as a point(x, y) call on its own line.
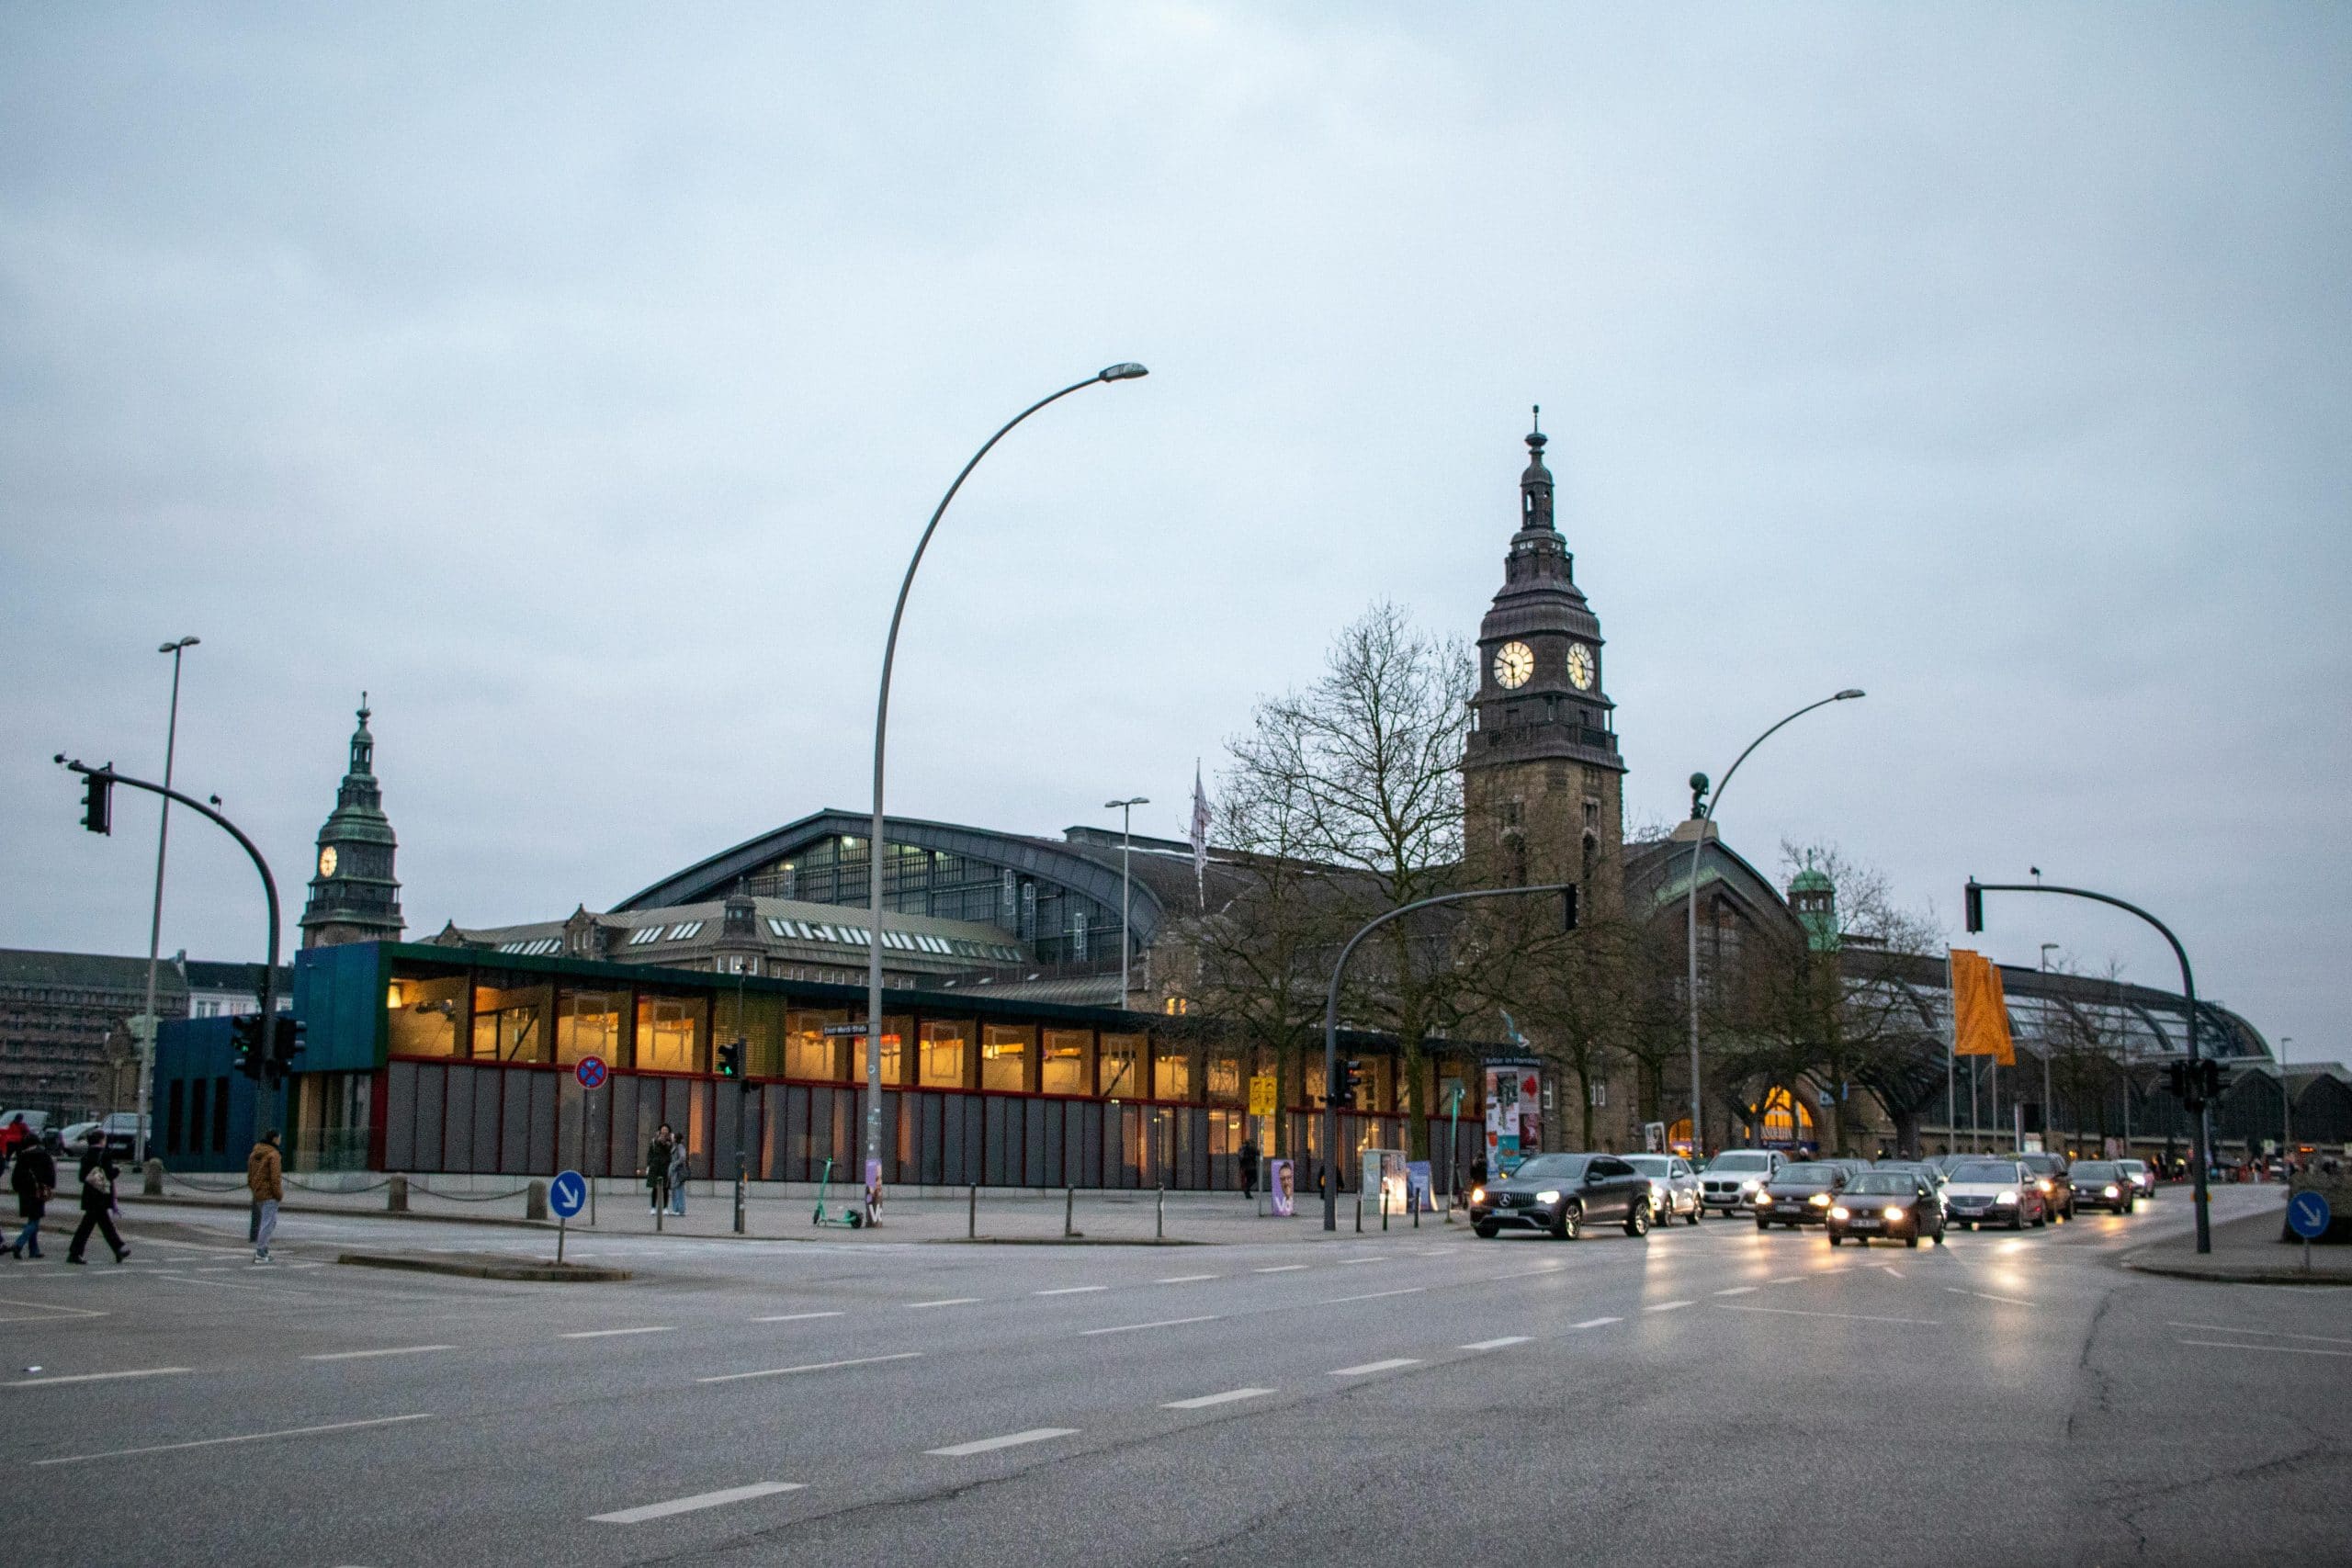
point(430, 1085)
point(399, 1116)
point(490, 1089)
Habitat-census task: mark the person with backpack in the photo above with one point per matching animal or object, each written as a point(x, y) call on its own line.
point(35, 1180)
point(97, 1203)
point(265, 1179)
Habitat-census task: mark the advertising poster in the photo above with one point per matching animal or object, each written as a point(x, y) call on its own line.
point(873, 1190)
point(1282, 1189)
point(1502, 1121)
point(1416, 1187)
point(1531, 1113)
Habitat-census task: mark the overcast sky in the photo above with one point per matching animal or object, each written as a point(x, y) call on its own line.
point(575, 380)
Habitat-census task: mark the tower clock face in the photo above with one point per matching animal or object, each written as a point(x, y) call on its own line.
point(326, 860)
point(1580, 666)
point(1514, 662)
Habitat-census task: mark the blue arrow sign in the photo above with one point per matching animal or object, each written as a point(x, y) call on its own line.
point(567, 1194)
point(2308, 1216)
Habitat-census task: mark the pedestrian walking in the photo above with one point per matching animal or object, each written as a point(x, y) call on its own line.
point(657, 1170)
point(35, 1180)
point(98, 1203)
point(678, 1178)
point(1248, 1168)
point(265, 1179)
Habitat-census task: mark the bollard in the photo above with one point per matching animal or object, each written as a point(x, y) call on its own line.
point(396, 1195)
point(972, 1215)
point(1384, 1208)
point(1414, 1203)
point(1359, 1213)
point(535, 1202)
point(153, 1183)
point(1160, 1216)
point(1069, 1205)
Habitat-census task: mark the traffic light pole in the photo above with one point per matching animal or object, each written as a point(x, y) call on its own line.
point(2200, 1153)
point(1331, 1021)
point(107, 778)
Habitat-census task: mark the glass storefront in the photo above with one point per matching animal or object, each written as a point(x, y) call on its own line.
point(510, 1021)
point(809, 1051)
point(1006, 1051)
point(672, 1034)
point(1065, 1069)
point(422, 1015)
point(588, 1023)
point(1171, 1074)
point(1121, 1074)
point(946, 1054)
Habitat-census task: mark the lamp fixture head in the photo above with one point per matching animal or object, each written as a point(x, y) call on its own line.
point(1125, 370)
point(1848, 694)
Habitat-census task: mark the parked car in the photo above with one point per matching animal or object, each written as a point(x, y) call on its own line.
point(1674, 1187)
point(1799, 1195)
point(1731, 1180)
point(19, 1128)
point(1987, 1192)
point(76, 1137)
point(2104, 1184)
point(2050, 1179)
point(2142, 1174)
point(1892, 1203)
point(1563, 1194)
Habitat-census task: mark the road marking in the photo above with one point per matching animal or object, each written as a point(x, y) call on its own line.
point(1496, 1344)
point(192, 1280)
point(1785, 1280)
point(1596, 1322)
point(811, 1367)
point(1892, 1269)
point(100, 1377)
point(41, 1309)
point(614, 1332)
point(1980, 1295)
point(242, 1438)
point(2275, 1350)
point(946, 1301)
point(1227, 1397)
point(1184, 1278)
point(1738, 1291)
point(1071, 1291)
point(2258, 1333)
point(1389, 1365)
point(1162, 1323)
point(1280, 1269)
point(1665, 1306)
point(1375, 1295)
point(368, 1355)
point(1849, 1316)
point(1370, 1258)
point(794, 1316)
point(1009, 1441)
point(699, 1500)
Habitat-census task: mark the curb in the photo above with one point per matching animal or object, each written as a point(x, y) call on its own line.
point(1061, 1241)
point(2251, 1276)
point(535, 1273)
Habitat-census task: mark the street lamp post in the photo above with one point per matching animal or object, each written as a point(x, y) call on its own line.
point(1121, 372)
point(2048, 1105)
point(2286, 1107)
point(1126, 808)
point(1706, 805)
point(155, 919)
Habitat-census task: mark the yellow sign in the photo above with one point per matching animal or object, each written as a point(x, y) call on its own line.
point(1262, 1094)
point(1980, 1014)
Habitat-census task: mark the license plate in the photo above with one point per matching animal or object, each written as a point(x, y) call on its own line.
point(1866, 1224)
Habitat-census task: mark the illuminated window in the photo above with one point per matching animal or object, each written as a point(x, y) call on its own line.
point(669, 1035)
point(1005, 1050)
point(945, 1048)
point(1171, 1074)
point(809, 1051)
point(588, 1023)
point(1121, 1067)
point(1064, 1066)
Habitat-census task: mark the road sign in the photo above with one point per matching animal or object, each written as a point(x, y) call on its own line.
point(2308, 1216)
point(591, 1072)
point(567, 1194)
point(1263, 1090)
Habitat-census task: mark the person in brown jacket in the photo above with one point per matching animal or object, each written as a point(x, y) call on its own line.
point(266, 1179)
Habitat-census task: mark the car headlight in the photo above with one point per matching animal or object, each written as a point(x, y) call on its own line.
point(1893, 1212)
point(2004, 1198)
point(1749, 1185)
point(1763, 1200)
point(1839, 1212)
point(1819, 1199)
point(2110, 1192)
point(2042, 1187)
point(1549, 1195)
point(1477, 1194)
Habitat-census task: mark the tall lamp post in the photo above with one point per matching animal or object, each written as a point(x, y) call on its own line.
point(2286, 1108)
point(1705, 815)
point(1121, 372)
point(155, 919)
point(1126, 808)
point(2049, 1105)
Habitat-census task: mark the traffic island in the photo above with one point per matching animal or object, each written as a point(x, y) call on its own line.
point(2245, 1252)
point(489, 1266)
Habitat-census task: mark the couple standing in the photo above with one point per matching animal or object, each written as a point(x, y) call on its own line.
point(666, 1172)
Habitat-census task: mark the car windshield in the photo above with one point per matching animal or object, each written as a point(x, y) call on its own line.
point(1807, 1176)
point(1984, 1170)
point(1739, 1162)
point(1546, 1168)
point(1651, 1165)
point(1890, 1183)
point(2048, 1164)
point(2135, 1165)
point(2097, 1170)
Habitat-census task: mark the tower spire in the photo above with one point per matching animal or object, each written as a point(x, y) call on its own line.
point(1535, 484)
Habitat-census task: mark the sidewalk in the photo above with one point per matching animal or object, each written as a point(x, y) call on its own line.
point(2247, 1251)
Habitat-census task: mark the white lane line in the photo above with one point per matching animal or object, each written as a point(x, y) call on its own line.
point(794, 1316)
point(1009, 1441)
point(1388, 1366)
point(42, 1309)
point(1665, 1306)
point(946, 1301)
point(2259, 1333)
point(2274, 1349)
point(1280, 1269)
point(100, 1377)
point(1227, 1397)
point(699, 1500)
point(811, 1367)
point(370, 1355)
point(1071, 1291)
point(1892, 1269)
point(1496, 1344)
point(1849, 1316)
point(1371, 1257)
point(1596, 1322)
point(1785, 1280)
point(242, 1438)
point(1738, 1291)
point(192, 1280)
point(1162, 1322)
point(1185, 1279)
point(1982, 1296)
point(616, 1332)
point(1373, 1296)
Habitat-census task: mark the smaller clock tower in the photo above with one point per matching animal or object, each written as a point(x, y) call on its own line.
point(1543, 782)
point(353, 896)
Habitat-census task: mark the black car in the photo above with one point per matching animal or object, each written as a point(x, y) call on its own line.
point(1799, 1195)
point(2104, 1184)
point(1893, 1204)
point(1563, 1194)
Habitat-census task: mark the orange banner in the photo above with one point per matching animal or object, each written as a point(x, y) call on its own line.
point(1980, 1014)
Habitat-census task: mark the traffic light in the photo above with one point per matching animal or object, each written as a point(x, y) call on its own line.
point(2209, 1072)
point(1974, 895)
point(97, 800)
point(731, 1059)
point(286, 1043)
point(1568, 908)
point(1351, 1079)
point(245, 1040)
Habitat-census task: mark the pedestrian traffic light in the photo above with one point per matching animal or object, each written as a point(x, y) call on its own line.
point(245, 1040)
point(731, 1059)
point(2209, 1072)
point(1351, 1079)
point(1568, 908)
point(1974, 895)
point(286, 1043)
point(97, 800)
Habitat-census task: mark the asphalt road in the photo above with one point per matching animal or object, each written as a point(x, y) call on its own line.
point(1709, 1395)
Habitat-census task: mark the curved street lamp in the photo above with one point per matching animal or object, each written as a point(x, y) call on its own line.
point(1706, 805)
point(1124, 371)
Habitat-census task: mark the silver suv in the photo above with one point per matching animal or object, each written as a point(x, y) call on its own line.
point(1728, 1185)
point(1674, 1189)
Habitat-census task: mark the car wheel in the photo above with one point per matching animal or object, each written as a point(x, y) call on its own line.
point(1569, 1226)
point(1485, 1232)
point(2042, 1219)
point(1911, 1242)
point(2017, 1221)
point(1692, 1217)
point(1637, 1221)
point(1763, 1225)
point(1834, 1238)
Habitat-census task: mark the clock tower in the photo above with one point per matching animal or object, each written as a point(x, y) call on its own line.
point(353, 896)
point(1543, 782)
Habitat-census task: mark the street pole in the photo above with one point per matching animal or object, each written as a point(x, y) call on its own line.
point(1122, 372)
point(2049, 1105)
point(1331, 1033)
point(155, 919)
point(1704, 813)
point(1126, 808)
point(743, 1098)
point(2286, 1107)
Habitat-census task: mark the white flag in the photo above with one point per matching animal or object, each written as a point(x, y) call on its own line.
point(1199, 832)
